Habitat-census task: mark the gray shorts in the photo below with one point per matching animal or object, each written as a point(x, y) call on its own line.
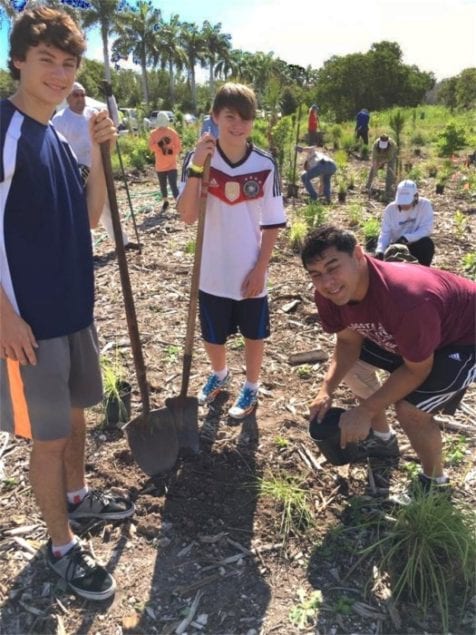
point(36, 401)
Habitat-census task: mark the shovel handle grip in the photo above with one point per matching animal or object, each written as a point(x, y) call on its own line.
point(197, 261)
point(125, 280)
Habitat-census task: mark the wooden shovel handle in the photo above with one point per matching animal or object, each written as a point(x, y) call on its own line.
point(125, 280)
point(197, 261)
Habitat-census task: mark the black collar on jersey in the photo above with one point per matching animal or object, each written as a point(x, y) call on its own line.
point(249, 148)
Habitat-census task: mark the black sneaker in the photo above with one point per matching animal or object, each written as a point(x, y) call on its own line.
point(165, 205)
point(379, 449)
point(98, 505)
point(428, 486)
point(82, 573)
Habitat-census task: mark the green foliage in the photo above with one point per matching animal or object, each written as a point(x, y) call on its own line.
point(455, 450)
point(459, 223)
point(304, 371)
point(314, 214)
point(418, 139)
point(430, 551)
point(397, 123)
point(281, 133)
point(371, 229)
point(289, 102)
point(171, 353)
point(237, 343)
point(113, 374)
point(450, 140)
point(297, 234)
point(190, 247)
point(355, 214)
point(341, 159)
point(469, 264)
point(281, 442)
point(336, 136)
point(305, 613)
point(293, 499)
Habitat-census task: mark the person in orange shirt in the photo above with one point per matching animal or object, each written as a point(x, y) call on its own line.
point(166, 145)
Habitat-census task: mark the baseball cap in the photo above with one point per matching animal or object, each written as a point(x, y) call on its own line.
point(406, 191)
point(162, 120)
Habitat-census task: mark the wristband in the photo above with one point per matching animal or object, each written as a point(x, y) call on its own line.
point(196, 168)
point(194, 174)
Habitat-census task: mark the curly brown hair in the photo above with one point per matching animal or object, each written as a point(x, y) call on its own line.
point(50, 26)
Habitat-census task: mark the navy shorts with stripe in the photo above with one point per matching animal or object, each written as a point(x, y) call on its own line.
point(222, 317)
point(454, 369)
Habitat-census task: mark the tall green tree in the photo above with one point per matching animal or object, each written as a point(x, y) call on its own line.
point(137, 31)
point(102, 14)
point(195, 49)
point(218, 46)
point(169, 51)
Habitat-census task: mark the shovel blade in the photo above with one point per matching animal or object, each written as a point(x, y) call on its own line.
point(153, 441)
point(184, 413)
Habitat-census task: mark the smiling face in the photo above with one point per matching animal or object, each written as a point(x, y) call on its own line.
point(233, 129)
point(77, 100)
point(340, 277)
point(46, 76)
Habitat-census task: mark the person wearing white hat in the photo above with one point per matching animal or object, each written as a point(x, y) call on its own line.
point(408, 220)
point(384, 153)
point(165, 143)
point(73, 123)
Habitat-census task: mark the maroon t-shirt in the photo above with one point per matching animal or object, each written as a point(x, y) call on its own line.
point(409, 310)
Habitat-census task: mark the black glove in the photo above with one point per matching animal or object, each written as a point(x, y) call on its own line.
point(379, 255)
point(402, 240)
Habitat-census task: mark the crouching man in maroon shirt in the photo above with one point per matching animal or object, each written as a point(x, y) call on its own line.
point(415, 322)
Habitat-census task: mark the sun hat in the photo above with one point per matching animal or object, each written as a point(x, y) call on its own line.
point(162, 120)
point(406, 191)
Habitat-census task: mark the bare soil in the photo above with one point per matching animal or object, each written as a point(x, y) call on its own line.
point(205, 552)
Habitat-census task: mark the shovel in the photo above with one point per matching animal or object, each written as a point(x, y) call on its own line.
point(184, 410)
point(152, 436)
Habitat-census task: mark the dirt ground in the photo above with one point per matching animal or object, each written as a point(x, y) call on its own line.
point(205, 551)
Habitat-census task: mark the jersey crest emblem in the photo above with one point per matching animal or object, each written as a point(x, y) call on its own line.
point(251, 188)
point(232, 190)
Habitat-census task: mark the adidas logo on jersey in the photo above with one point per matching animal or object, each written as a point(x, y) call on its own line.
point(455, 356)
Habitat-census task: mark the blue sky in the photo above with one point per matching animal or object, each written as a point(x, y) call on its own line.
point(436, 35)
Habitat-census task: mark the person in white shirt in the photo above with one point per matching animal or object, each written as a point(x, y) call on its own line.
point(408, 220)
point(317, 164)
point(72, 122)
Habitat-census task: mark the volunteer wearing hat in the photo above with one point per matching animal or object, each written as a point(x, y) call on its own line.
point(166, 145)
point(384, 152)
point(408, 220)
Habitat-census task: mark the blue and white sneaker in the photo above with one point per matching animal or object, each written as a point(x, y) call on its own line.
point(245, 404)
point(212, 388)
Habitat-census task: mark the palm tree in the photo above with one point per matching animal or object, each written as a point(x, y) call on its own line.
point(195, 50)
point(137, 34)
point(169, 51)
point(102, 13)
point(218, 48)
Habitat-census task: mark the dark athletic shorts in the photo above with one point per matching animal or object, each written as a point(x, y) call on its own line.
point(36, 401)
point(222, 317)
point(454, 369)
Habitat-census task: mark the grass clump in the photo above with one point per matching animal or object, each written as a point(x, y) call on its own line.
point(306, 611)
point(293, 499)
point(469, 264)
point(430, 552)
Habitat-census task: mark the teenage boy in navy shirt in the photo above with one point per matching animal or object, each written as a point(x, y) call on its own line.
point(49, 366)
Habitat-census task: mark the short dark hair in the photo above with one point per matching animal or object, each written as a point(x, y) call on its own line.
point(325, 236)
point(236, 97)
point(43, 24)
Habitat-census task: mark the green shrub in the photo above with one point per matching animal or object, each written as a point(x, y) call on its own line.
point(418, 139)
point(451, 140)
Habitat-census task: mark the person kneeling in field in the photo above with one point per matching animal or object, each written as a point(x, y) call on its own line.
point(408, 221)
point(416, 323)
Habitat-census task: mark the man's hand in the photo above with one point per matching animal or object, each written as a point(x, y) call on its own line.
point(354, 425)
point(17, 341)
point(253, 284)
point(320, 405)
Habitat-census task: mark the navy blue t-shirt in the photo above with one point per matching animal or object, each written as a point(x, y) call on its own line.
point(46, 266)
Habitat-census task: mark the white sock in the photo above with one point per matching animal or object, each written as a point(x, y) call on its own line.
point(78, 495)
point(385, 436)
point(221, 374)
point(251, 385)
point(440, 480)
point(60, 550)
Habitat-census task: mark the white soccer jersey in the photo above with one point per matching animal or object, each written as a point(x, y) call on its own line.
point(243, 199)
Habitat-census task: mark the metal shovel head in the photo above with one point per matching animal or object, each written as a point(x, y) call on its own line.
point(184, 413)
point(153, 441)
